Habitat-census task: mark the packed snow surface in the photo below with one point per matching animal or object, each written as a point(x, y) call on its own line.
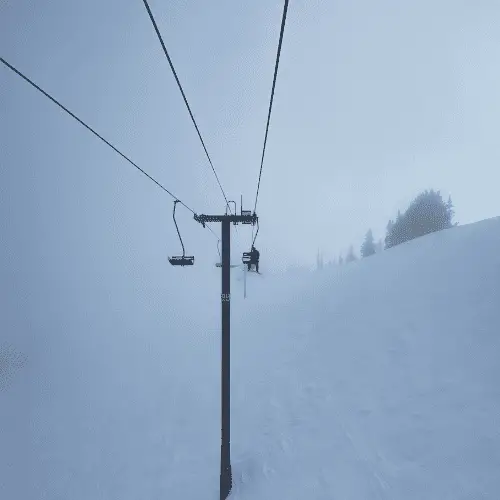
point(375, 380)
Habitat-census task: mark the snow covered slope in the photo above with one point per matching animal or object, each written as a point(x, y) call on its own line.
point(381, 380)
point(377, 380)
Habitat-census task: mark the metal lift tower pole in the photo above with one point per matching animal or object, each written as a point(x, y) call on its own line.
point(225, 451)
point(226, 480)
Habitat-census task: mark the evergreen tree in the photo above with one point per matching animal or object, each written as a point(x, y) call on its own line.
point(450, 210)
point(350, 256)
point(388, 238)
point(319, 260)
point(368, 246)
point(427, 213)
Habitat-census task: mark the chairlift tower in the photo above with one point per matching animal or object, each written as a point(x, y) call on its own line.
point(245, 217)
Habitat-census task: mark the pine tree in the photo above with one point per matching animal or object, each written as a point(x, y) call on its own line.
point(427, 213)
point(368, 246)
point(350, 256)
point(450, 210)
point(319, 260)
point(388, 238)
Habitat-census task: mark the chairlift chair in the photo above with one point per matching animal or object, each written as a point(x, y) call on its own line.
point(181, 260)
point(247, 256)
point(245, 212)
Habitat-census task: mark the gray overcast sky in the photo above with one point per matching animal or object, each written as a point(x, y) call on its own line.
point(375, 101)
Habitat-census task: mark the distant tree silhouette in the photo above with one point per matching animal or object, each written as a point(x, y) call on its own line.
point(350, 257)
point(388, 237)
point(319, 260)
point(368, 246)
point(426, 214)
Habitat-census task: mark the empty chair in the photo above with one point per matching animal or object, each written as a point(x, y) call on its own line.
point(180, 260)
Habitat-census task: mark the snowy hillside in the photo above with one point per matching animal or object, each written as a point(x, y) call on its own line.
point(376, 380)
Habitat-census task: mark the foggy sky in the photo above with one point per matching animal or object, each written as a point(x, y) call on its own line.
point(374, 103)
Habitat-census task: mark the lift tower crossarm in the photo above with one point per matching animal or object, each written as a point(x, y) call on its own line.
point(235, 219)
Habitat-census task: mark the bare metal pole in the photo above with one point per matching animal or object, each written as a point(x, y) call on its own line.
point(225, 450)
point(244, 281)
point(226, 479)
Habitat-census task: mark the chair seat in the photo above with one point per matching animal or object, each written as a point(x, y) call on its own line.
point(181, 261)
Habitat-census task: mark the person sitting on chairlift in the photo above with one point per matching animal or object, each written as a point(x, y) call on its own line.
point(254, 259)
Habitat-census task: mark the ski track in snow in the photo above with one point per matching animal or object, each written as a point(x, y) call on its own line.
point(300, 409)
